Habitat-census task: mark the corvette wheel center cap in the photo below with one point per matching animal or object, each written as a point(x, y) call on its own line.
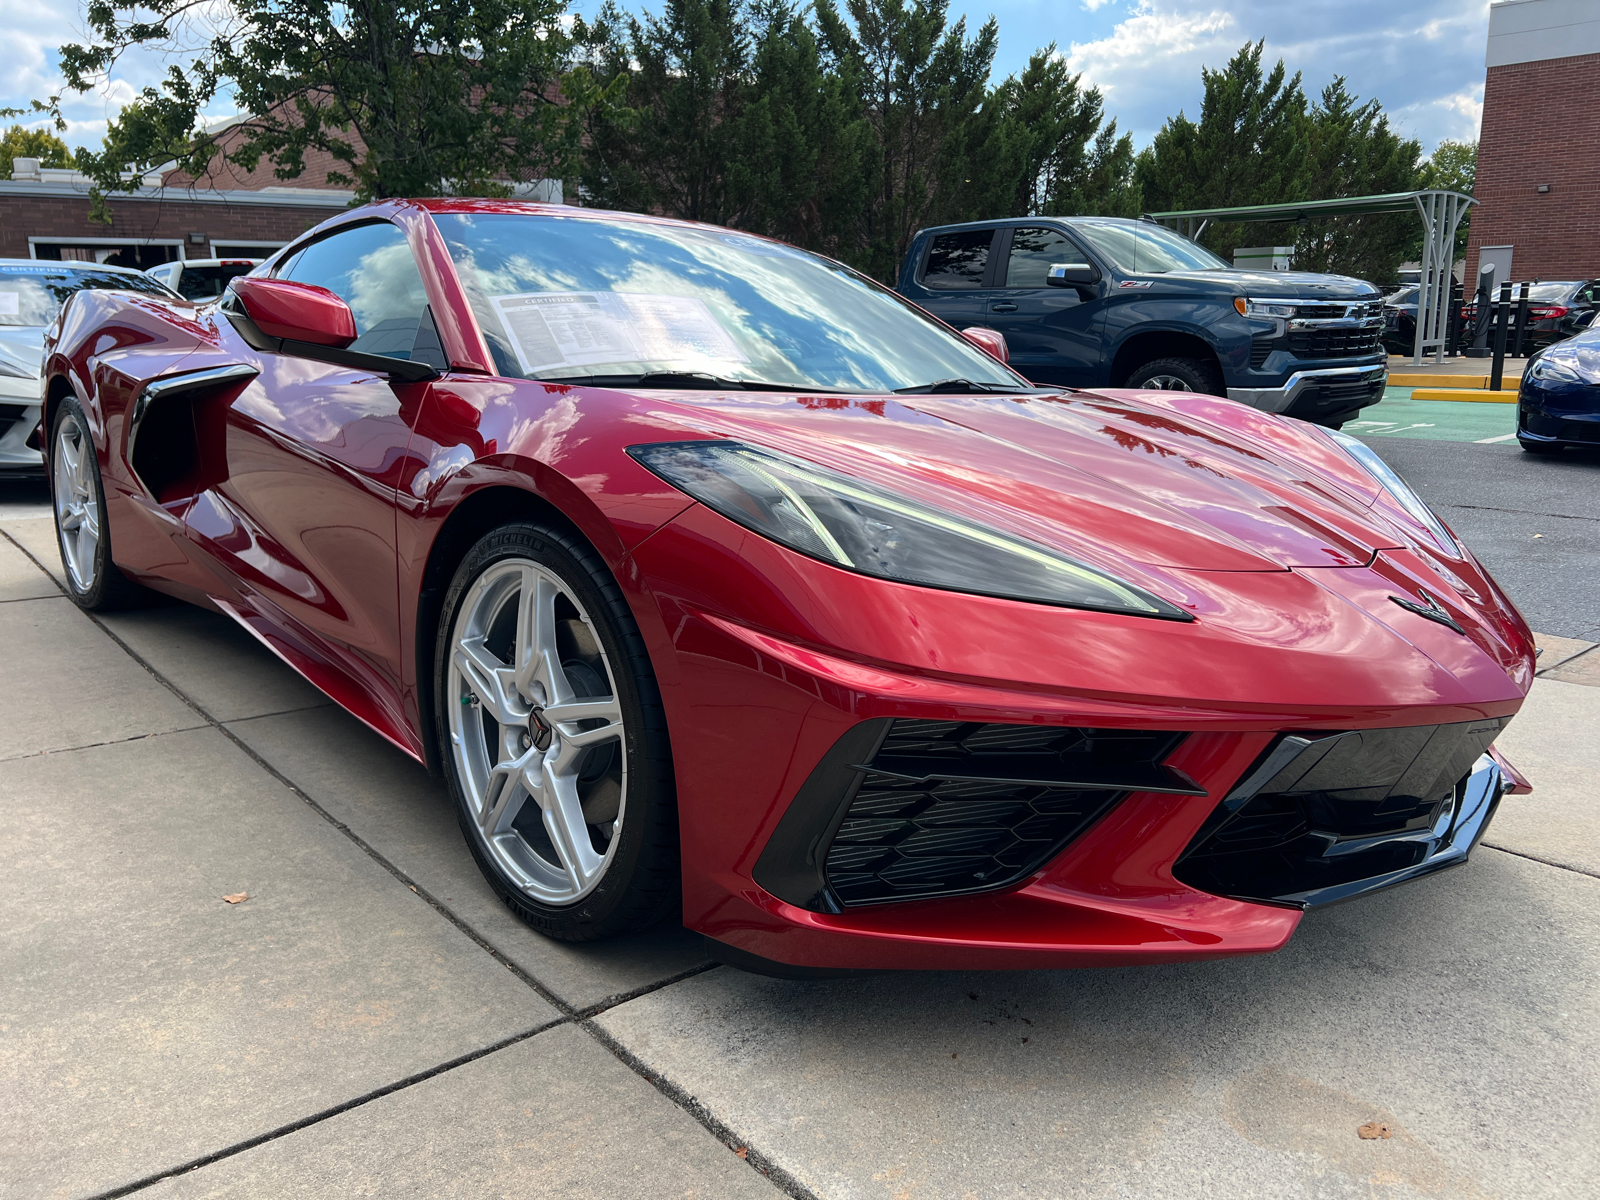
point(539, 731)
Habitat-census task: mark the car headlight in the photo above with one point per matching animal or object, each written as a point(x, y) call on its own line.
point(862, 528)
point(1555, 370)
point(1398, 488)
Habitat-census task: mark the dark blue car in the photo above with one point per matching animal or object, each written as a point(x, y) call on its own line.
point(1106, 302)
point(1558, 401)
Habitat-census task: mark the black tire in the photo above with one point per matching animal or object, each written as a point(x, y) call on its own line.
point(1539, 447)
point(108, 589)
point(1178, 375)
point(640, 884)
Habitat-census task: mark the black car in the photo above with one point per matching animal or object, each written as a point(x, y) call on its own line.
point(1104, 302)
point(1556, 311)
point(1558, 401)
point(1400, 319)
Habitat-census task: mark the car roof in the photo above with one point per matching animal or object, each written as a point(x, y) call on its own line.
point(50, 264)
point(210, 262)
point(998, 222)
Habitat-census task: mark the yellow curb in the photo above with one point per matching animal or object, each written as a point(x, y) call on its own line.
point(1481, 397)
point(1441, 379)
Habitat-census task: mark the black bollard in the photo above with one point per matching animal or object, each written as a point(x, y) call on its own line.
point(1520, 346)
point(1480, 315)
point(1502, 325)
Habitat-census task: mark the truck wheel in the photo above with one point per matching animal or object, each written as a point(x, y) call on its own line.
point(1177, 375)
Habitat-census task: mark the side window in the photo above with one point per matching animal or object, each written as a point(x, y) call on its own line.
point(371, 269)
point(1032, 252)
point(958, 260)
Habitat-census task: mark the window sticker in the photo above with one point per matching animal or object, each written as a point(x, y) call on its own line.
point(577, 329)
point(10, 304)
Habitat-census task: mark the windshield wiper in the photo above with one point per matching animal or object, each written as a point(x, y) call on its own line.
point(955, 385)
point(685, 379)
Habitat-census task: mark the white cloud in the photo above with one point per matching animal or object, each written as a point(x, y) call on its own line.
point(1094, 5)
point(1149, 44)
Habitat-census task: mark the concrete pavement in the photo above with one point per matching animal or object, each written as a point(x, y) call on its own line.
point(372, 1022)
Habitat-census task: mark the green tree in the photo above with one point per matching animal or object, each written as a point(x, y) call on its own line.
point(18, 142)
point(1250, 146)
point(411, 97)
point(1353, 152)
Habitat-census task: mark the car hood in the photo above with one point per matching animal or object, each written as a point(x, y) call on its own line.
point(1272, 284)
point(1118, 478)
point(23, 345)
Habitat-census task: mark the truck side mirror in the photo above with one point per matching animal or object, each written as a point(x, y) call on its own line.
point(1071, 275)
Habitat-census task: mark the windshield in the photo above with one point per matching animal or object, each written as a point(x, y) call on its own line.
point(1142, 248)
point(577, 297)
point(32, 295)
point(1406, 295)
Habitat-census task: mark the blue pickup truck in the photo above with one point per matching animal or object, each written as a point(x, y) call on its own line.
point(1106, 302)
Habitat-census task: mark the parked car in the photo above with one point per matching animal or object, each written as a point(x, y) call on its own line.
point(31, 293)
point(1138, 306)
point(1400, 320)
point(717, 579)
point(1556, 311)
point(201, 279)
point(1558, 400)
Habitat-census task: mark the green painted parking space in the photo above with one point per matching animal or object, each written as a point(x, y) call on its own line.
point(1398, 415)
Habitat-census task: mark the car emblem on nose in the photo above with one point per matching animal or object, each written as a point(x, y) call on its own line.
point(1428, 607)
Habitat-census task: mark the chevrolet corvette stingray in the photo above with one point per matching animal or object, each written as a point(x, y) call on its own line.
point(715, 578)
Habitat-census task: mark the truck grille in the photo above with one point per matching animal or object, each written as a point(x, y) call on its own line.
point(950, 807)
point(1334, 343)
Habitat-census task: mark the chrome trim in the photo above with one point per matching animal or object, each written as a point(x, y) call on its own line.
point(176, 385)
point(1281, 399)
point(1336, 323)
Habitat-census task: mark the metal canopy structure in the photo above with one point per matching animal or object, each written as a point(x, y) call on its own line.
point(1441, 214)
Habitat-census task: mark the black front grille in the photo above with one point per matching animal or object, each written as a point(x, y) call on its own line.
point(1260, 348)
point(948, 807)
point(1322, 811)
point(1337, 342)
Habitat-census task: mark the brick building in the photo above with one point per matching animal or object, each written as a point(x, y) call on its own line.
point(227, 213)
point(1538, 181)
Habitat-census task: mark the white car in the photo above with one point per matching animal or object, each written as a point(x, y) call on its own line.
point(32, 291)
point(201, 279)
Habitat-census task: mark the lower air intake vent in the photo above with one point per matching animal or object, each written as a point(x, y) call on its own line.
point(949, 807)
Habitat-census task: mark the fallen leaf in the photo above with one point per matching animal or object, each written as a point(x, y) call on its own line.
point(1538, 535)
point(237, 898)
point(742, 1151)
point(1373, 1129)
point(413, 887)
point(1024, 1041)
point(957, 1052)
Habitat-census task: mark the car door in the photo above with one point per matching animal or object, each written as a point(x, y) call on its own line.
point(1054, 334)
point(305, 518)
point(956, 273)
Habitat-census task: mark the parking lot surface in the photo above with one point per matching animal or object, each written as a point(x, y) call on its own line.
point(371, 1021)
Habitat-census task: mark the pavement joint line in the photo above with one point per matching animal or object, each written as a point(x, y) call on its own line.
point(724, 1133)
point(1567, 661)
point(1527, 512)
point(316, 1118)
point(27, 599)
point(1542, 861)
point(136, 737)
point(583, 1019)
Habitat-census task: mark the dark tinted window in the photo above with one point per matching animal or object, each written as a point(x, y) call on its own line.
point(958, 260)
point(371, 269)
point(33, 295)
point(1032, 252)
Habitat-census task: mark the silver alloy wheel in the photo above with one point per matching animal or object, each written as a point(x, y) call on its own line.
point(536, 731)
point(1167, 383)
point(77, 500)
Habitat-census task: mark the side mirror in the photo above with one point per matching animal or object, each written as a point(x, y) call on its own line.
point(1071, 275)
point(990, 341)
point(306, 321)
point(300, 312)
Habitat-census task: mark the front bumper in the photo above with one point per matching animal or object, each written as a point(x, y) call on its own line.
point(1319, 393)
point(1558, 412)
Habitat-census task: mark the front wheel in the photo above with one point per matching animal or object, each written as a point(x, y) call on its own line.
point(1177, 375)
point(83, 534)
point(554, 737)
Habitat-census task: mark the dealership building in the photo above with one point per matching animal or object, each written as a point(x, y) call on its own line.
point(1538, 179)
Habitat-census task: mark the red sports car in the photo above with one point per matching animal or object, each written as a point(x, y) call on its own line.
point(710, 573)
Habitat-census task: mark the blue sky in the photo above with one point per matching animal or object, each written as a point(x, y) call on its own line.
point(1422, 58)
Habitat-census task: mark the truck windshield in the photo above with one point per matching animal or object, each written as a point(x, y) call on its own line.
point(587, 297)
point(1141, 248)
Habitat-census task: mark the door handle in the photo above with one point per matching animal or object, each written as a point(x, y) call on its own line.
point(1003, 306)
